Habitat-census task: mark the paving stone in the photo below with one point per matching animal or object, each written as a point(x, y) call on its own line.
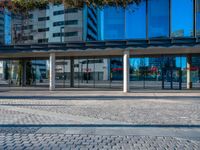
point(176, 143)
point(36, 111)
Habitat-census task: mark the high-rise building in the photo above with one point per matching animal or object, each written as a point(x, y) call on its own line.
point(1, 27)
point(5, 34)
point(55, 23)
point(5, 27)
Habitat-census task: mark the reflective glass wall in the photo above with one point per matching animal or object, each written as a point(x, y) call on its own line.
point(135, 21)
point(63, 73)
point(153, 19)
point(149, 19)
point(198, 17)
point(113, 23)
point(182, 18)
point(158, 18)
point(24, 72)
point(195, 72)
point(145, 73)
point(98, 72)
point(158, 73)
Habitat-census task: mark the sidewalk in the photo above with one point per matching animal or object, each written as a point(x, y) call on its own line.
point(80, 119)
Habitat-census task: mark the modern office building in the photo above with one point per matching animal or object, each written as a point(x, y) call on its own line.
point(154, 44)
point(2, 27)
point(55, 23)
point(156, 20)
point(5, 35)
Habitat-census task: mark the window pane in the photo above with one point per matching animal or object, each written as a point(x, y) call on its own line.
point(114, 23)
point(182, 18)
point(136, 21)
point(158, 15)
point(198, 18)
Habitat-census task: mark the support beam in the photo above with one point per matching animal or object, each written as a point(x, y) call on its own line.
point(72, 72)
point(126, 71)
point(52, 72)
point(189, 66)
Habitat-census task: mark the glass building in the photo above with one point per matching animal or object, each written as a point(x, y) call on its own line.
point(153, 19)
point(156, 20)
point(154, 45)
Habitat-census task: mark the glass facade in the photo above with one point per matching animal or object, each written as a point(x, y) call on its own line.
point(17, 73)
point(135, 21)
point(198, 17)
point(152, 19)
point(147, 20)
point(158, 72)
point(114, 24)
point(158, 18)
point(145, 73)
point(195, 72)
point(182, 18)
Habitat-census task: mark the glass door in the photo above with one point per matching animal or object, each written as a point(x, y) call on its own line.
point(172, 78)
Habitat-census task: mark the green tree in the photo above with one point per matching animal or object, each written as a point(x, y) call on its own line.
point(27, 5)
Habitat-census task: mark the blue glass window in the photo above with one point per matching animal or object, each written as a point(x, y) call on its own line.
point(182, 18)
point(198, 18)
point(136, 21)
point(114, 23)
point(158, 18)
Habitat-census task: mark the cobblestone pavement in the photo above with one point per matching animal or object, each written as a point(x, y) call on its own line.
point(40, 110)
point(101, 109)
point(82, 142)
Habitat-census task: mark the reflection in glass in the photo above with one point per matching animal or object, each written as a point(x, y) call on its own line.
point(182, 18)
point(113, 23)
point(158, 15)
point(198, 18)
point(136, 21)
point(195, 71)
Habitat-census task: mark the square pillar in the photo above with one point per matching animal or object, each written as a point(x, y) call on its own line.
point(72, 72)
point(52, 60)
point(189, 66)
point(126, 71)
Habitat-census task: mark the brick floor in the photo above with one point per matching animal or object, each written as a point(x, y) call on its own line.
point(91, 110)
point(98, 108)
point(62, 141)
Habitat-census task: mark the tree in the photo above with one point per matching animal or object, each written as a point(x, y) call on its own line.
point(20, 6)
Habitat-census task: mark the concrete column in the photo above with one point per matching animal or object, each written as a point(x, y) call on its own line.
point(126, 72)
point(189, 66)
point(52, 72)
point(72, 72)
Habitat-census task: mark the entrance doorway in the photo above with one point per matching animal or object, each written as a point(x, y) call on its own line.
point(172, 78)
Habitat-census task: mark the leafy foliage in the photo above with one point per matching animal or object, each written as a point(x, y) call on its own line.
point(20, 6)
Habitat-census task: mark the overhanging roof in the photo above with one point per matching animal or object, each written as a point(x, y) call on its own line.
point(105, 48)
